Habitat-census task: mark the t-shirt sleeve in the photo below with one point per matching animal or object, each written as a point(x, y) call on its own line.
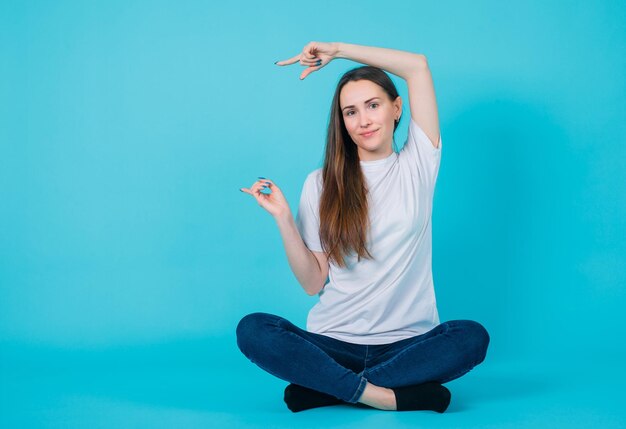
point(421, 153)
point(307, 218)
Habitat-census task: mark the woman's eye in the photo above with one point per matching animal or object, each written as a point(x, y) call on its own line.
point(349, 112)
point(374, 104)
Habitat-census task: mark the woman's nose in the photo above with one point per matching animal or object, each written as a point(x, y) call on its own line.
point(365, 121)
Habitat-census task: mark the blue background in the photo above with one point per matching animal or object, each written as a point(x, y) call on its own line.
point(128, 255)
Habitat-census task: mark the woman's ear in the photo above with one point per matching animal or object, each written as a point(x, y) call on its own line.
point(397, 104)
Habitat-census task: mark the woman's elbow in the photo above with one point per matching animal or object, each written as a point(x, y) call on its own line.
point(314, 291)
point(421, 61)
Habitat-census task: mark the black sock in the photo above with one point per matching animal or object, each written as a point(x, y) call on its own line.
point(427, 396)
point(300, 398)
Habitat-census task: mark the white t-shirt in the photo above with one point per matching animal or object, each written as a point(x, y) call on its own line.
point(391, 297)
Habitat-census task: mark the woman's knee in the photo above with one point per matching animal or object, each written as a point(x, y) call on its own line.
point(478, 339)
point(250, 330)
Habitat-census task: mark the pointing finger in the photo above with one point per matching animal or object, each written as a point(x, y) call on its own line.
point(289, 61)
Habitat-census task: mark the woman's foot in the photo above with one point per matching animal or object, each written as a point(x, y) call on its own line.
point(427, 396)
point(300, 398)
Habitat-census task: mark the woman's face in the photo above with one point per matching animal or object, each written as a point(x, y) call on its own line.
point(369, 117)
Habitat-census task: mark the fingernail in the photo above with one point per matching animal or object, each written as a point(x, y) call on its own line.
point(276, 62)
point(241, 189)
point(268, 183)
point(262, 177)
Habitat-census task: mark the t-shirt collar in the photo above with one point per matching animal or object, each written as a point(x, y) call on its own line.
point(377, 163)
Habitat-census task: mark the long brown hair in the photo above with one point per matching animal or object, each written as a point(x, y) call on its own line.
point(343, 209)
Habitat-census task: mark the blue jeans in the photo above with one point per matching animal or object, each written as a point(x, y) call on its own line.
point(342, 369)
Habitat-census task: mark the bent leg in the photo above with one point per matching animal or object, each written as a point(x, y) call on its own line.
point(443, 354)
point(297, 356)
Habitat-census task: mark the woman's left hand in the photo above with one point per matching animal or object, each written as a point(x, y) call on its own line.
point(314, 56)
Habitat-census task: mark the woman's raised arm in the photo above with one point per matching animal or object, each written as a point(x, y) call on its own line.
point(409, 66)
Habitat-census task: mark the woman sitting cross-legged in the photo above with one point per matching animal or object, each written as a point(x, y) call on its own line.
point(362, 242)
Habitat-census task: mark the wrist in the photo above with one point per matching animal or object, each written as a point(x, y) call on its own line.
point(284, 218)
point(338, 50)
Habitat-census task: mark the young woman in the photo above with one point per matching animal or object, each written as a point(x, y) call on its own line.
point(361, 240)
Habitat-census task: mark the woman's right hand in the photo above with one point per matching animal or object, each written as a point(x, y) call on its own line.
point(275, 203)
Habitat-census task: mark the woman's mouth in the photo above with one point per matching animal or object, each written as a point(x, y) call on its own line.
point(371, 133)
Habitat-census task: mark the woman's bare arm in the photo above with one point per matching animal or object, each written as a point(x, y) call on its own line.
point(401, 63)
point(302, 261)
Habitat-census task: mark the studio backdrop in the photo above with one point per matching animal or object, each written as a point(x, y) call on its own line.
point(127, 129)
